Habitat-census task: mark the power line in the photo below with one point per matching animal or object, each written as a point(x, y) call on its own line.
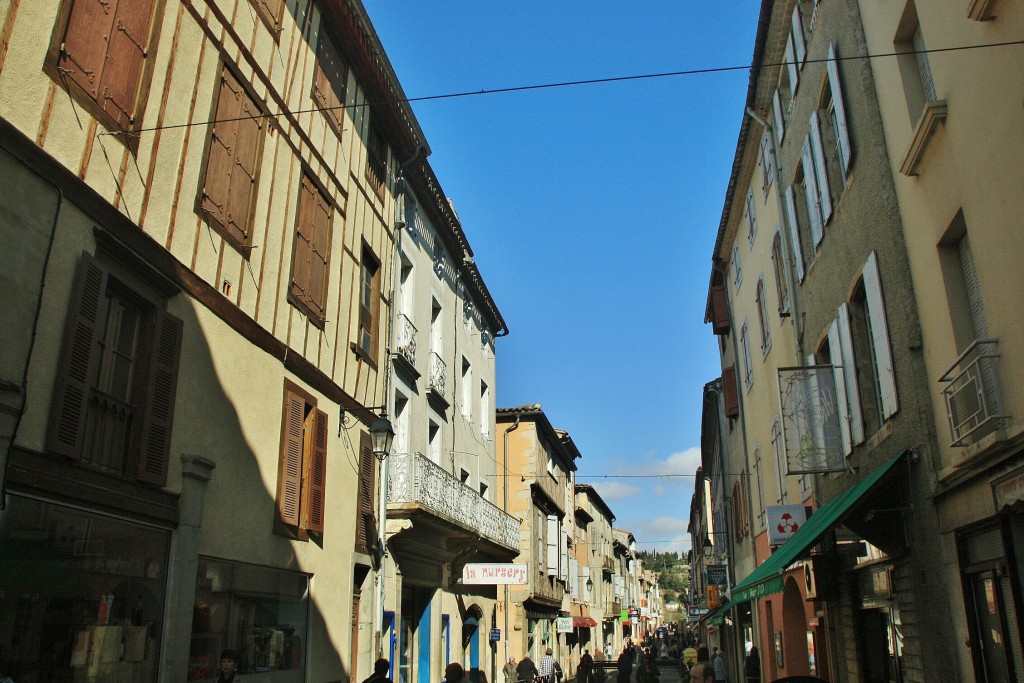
point(566, 84)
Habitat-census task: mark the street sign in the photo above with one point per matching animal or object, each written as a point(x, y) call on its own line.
point(563, 624)
point(495, 634)
point(494, 573)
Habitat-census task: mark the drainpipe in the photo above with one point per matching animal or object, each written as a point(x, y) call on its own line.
point(504, 491)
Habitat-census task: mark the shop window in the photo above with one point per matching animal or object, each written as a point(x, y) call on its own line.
point(113, 403)
point(82, 595)
point(101, 55)
point(302, 475)
point(259, 612)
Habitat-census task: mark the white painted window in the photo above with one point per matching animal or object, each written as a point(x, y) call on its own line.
point(794, 233)
point(467, 390)
point(880, 337)
point(485, 409)
point(748, 370)
point(737, 268)
point(799, 42)
point(777, 111)
point(751, 218)
point(779, 454)
point(837, 112)
point(792, 67)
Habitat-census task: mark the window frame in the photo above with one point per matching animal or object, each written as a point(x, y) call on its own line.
point(779, 267)
point(763, 318)
point(369, 306)
point(327, 98)
point(300, 503)
point(153, 387)
point(376, 172)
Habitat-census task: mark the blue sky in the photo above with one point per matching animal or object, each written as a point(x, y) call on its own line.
point(592, 211)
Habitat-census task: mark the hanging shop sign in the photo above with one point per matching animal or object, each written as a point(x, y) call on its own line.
point(563, 624)
point(784, 521)
point(495, 573)
point(1009, 490)
point(718, 575)
point(811, 419)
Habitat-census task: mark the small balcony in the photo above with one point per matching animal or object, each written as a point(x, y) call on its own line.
point(406, 342)
point(437, 379)
point(418, 486)
point(974, 403)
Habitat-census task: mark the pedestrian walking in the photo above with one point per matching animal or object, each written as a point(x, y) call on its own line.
point(380, 672)
point(511, 675)
point(550, 671)
point(702, 671)
point(718, 664)
point(624, 666)
point(585, 668)
point(526, 669)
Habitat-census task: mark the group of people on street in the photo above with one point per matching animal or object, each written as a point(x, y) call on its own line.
point(549, 671)
point(705, 667)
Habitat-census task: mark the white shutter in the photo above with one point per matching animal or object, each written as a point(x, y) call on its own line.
point(794, 233)
point(780, 124)
point(552, 543)
point(811, 193)
point(751, 216)
point(798, 35)
point(794, 74)
point(852, 386)
point(880, 337)
point(841, 373)
point(820, 169)
point(563, 554)
point(573, 585)
point(842, 131)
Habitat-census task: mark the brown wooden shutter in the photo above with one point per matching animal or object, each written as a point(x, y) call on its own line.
point(126, 56)
point(78, 359)
point(220, 159)
point(289, 478)
point(304, 234)
point(161, 388)
point(320, 255)
point(243, 171)
point(719, 310)
point(84, 49)
point(330, 81)
point(732, 402)
point(315, 494)
point(364, 511)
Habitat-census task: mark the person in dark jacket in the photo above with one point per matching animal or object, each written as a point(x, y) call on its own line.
point(380, 672)
point(454, 673)
point(585, 668)
point(752, 667)
point(625, 665)
point(228, 665)
point(526, 669)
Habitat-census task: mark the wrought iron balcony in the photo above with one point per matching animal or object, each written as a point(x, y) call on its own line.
point(973, 399)
point(407, 339)
point(109, 427)
point(414, 478)
point(438, 375)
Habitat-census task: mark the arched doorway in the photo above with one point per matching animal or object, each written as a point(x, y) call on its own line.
point(796, 656)
point(471, 626)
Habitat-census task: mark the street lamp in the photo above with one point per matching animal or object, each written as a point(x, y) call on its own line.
point(381, 431)
point(590, 584)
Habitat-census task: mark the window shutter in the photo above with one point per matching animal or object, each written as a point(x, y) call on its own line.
point(852, 386)
point(317, 485)
point(320, 255)
point(78, 359)
point(305, 228)
point(791, 65)
point(811, 192)
point(161, 388)
point(820, 170)
point(243, 175)
point(843, 132)
point(563, 554)
point(880, 337)
point(223, 142)
point(552, 545)
point(719, 310)
point(794, 233)
point(798, 35)
point(780, 124)
point(732, 403)
point(842, 373)
point(84, 49)
point(329, 81)
point(126, 55)
point(366, 486)
point(289, 479)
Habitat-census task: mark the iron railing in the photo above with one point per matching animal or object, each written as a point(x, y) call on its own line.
point(438, 375)
point(406, 339)
point(109, 428)
point(415, 478)
point(973, 398)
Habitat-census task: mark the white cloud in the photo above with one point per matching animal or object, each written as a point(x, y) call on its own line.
point(615, 490)
point(683, 462)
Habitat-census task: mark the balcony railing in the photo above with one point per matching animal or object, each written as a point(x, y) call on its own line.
point(414, 478)
point(109, 426)
point(407, 339)
point(973, 400)
point(438, 375)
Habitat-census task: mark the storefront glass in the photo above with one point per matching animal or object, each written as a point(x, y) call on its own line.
point(81, 595)
point(259, 612)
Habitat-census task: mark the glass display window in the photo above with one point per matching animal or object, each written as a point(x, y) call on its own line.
point(259, 612)
point(81, 594)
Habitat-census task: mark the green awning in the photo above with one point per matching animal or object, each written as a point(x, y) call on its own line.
point(717, 615)
point(767, 578)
